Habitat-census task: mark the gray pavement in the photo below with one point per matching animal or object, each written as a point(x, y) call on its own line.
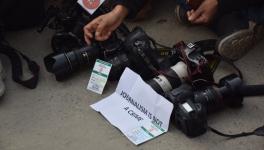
point(57, 116)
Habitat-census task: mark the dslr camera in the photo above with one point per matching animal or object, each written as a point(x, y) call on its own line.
point(70, 50)
point(192, 105)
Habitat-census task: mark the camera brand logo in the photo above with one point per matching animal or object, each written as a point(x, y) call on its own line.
point(91, 4)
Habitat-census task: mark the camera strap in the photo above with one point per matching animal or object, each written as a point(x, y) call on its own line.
point(208, 49)
point(17, 69)
point(209, 46)
point(231, 63)
point(258, 132)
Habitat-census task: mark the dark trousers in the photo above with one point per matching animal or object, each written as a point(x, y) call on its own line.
point(253, 13)
point(228, 22)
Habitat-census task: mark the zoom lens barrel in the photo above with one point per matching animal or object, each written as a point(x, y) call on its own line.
point(171, 79)
point(62, 65)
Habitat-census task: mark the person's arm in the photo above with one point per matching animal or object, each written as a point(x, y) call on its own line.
point(133, 6)
point(204, 13)
point(225, 6)
point(104, 25)
point(208, 9)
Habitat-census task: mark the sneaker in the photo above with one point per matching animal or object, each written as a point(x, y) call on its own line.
point(239, 43)
point(237, 36)
point(181, 15)
point(2, 77)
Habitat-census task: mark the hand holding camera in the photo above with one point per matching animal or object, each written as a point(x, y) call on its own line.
point(103, 26)
point(200, 11)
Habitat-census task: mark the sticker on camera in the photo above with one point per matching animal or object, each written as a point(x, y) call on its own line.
point(99, 76)
point(91, 5)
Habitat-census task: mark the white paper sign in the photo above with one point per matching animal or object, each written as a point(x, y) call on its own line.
point(136, 109)
point(91, 5)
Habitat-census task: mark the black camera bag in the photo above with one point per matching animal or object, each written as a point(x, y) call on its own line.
point(17, 15)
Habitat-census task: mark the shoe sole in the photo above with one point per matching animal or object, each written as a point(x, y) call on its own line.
point(236, 45)
point(177, 14)
point(259, 30)
point(178, 17)
point(239, 43)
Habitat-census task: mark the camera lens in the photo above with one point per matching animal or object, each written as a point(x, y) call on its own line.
point(226, 94)
point(63, 42)
point(209, 97)
point(170, 79)
point(64, 64)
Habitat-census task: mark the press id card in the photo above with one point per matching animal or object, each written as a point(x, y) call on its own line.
point(99, 76)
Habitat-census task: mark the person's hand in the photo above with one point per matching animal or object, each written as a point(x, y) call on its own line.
point(103, 26)
point(204, 13)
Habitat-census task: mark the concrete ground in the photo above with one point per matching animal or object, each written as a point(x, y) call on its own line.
point(57, 116)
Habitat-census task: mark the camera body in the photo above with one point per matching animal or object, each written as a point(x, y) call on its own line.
point(136, 53)
point(139, 52)
point(187, 65)
point(191, 105)
point(188, 115)
point(70, 50)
